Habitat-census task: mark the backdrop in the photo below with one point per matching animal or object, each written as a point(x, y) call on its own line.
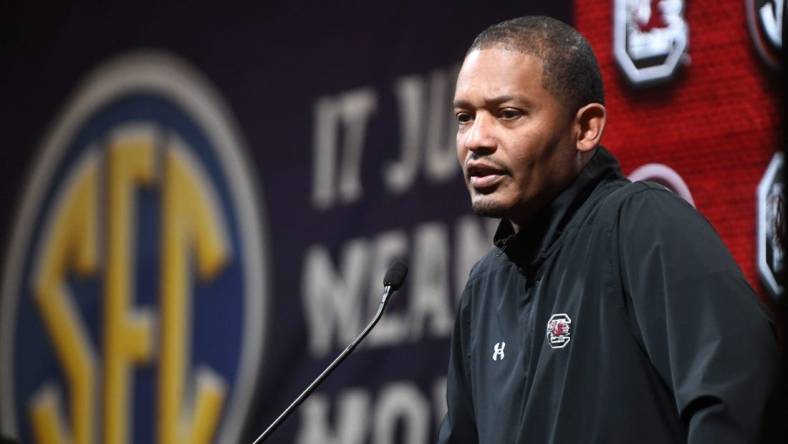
point(201, 200)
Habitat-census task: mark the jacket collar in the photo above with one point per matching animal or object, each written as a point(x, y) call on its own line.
point(532, 243)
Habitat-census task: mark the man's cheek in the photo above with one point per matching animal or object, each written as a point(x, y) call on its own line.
point(461, 159)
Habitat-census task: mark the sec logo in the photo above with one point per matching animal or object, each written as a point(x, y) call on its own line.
point(133, 298)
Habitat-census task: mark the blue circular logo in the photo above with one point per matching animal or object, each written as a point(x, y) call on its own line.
point(133, 296)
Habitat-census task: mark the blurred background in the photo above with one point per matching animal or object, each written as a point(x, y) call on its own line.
point(200, 200)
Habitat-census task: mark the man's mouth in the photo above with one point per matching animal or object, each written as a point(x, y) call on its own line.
point(483, 176)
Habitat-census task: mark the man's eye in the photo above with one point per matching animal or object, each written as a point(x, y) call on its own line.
point(463, 117)
point(509, 113)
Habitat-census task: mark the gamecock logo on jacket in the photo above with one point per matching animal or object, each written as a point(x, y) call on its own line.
point(650, 39)
point(558, 333)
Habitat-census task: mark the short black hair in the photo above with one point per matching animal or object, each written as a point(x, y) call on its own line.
point(569, 67)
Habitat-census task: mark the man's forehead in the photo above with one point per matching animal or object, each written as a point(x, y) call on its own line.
point(498, 72)
point(496, 57)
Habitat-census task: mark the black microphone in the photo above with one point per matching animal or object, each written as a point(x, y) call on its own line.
point(392, 281)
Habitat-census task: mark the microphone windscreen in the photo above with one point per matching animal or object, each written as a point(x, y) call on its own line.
point(395, 275)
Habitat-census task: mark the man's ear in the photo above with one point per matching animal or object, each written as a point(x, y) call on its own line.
point(589, 125)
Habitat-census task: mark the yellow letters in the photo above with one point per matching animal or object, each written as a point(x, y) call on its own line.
point(190, 224)
point(70, 243)
point(192, 235)
point(127, 334)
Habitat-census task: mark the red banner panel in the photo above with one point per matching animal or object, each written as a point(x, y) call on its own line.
point(686, 88)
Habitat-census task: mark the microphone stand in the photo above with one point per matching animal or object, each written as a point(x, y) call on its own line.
point(387, 291)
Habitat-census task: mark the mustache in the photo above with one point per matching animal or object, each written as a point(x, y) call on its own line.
point(484, 167)
point(477, 162)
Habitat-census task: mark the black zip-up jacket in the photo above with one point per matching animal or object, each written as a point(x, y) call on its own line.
point(618, 316)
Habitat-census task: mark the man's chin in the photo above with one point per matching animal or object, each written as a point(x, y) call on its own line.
point(489, 208)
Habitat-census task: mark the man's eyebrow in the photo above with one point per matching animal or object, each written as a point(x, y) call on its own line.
point(501, 99)
point(492, 100)
point(461, 104)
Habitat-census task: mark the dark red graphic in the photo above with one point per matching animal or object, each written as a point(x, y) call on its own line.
point(559, 328)
point(655, 19)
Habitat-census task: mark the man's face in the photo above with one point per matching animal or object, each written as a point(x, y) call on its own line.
point(514, 142)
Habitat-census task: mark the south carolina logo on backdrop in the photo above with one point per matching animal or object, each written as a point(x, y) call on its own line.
point(765, 20)
point(771, 227)
point(650, 39)
point(133, 294)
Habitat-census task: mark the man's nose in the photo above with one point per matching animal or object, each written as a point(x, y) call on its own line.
point(479, 139)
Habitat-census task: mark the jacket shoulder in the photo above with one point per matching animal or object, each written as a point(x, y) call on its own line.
point(648, 202)
point(488, 263)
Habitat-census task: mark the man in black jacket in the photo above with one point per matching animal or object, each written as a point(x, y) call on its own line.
point(609, 311)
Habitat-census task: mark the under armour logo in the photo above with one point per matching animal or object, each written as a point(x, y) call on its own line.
point(498, 351)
